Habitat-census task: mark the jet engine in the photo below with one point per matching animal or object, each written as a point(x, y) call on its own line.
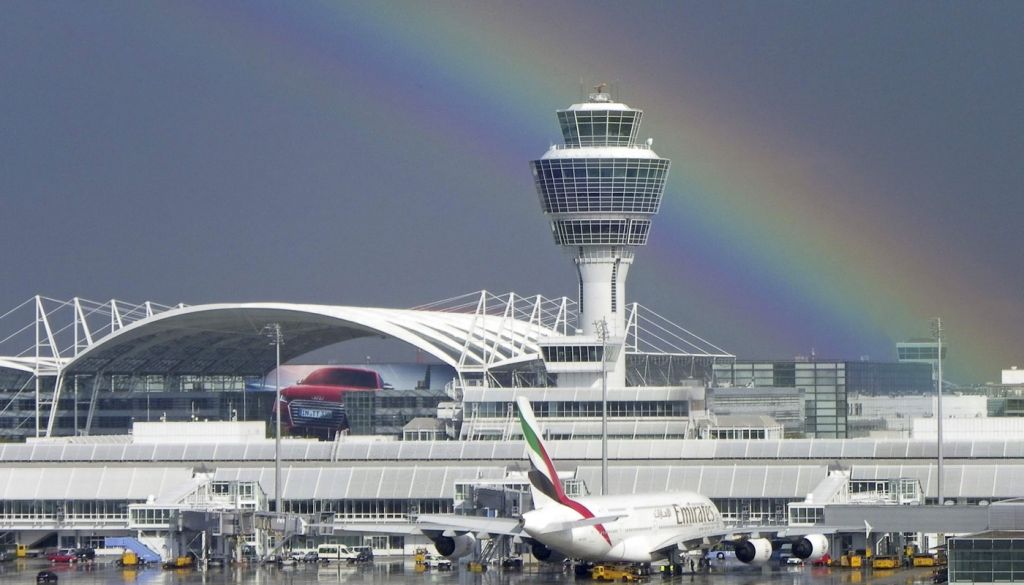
point(811, 547)
point(454, 547)
point(755, 550)
point(545, 554)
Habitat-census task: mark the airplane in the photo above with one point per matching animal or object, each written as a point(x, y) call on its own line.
point(636, 528)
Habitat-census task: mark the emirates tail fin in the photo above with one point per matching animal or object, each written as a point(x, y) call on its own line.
point(545, 487)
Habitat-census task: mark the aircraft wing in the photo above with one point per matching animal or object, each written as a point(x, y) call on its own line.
point(475, 524)
point(443, 523)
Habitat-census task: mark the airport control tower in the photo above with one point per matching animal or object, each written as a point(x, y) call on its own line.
point(600, 189)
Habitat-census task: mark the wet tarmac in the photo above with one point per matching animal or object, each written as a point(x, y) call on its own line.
point(23, 572)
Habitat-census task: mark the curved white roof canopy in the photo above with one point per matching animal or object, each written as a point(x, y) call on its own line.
point(229, 338)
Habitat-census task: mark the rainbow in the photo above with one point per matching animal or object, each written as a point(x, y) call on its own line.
point(772, 244)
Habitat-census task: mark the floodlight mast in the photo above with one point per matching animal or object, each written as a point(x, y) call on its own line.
point(937, 332)
point(273, 331)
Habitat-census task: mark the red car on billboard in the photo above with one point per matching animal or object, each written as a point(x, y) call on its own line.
point(315, 405)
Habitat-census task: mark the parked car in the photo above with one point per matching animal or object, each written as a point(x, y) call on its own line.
point(85, 554)
point(63, 555)
point(364, 554)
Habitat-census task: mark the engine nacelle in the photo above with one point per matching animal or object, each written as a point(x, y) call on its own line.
point(754, 551)
point(454, 547)
point(811, 547)
point(545, 554)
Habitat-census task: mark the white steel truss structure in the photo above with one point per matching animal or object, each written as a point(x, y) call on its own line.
point(477, 334)
point(649, 333)
point(57, 331)
point(492, 339)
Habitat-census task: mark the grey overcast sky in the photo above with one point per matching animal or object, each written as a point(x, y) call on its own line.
point(841, 171)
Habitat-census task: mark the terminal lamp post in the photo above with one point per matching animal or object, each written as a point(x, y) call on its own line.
point(937, 333)
point(273, 332)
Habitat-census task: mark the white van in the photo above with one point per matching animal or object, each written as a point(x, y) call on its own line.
point(336, 553)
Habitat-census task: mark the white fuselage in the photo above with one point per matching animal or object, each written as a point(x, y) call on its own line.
point(645, 525)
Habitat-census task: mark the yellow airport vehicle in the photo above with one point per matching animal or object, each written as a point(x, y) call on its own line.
point(182, 562)
point(129, 559)
point(614, 573)
point(885, 562)
point(21, 551)
point(924, 560)
point(851, 561)
point(477, 567)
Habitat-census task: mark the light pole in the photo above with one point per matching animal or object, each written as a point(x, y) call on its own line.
point(602, 334)
point(937, 333)
point(273, 331)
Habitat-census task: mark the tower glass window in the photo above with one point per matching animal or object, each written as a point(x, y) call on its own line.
point(599, 127)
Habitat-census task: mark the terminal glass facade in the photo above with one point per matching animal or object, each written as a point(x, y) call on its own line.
point(889, 378)
point(823, 385)
point(987, 558)
point(577, 409)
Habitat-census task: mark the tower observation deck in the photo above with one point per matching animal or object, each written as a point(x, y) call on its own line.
point(599, 189)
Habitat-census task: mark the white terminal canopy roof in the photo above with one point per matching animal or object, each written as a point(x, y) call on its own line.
point(362, 483)
point(229, 338)
point(90, 483)
point(765, 451)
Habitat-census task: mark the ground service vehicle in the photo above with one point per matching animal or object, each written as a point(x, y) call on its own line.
point(924, 560)
point(885, 562)
point(333, 553)
point(315, 405)
point(182, 562)
point(128, 559)
point(614, 573)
